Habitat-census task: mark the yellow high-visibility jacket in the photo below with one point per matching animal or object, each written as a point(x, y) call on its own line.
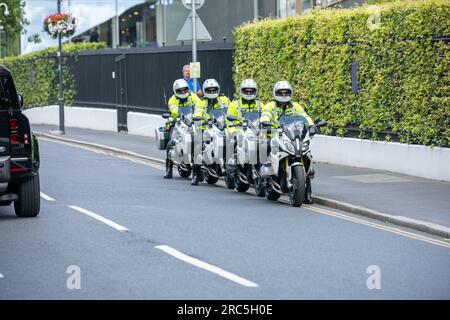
point(203, 106)
point(272, 112)
point(239, 108)
point(175, 103)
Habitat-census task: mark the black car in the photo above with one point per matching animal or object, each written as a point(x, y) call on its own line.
point(19, 152)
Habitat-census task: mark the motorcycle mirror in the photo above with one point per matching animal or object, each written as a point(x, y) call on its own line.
point(321, 123)
point(165, 115)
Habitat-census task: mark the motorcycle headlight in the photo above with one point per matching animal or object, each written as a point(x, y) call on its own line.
point(288, 147)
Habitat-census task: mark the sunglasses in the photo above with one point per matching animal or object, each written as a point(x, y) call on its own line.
point(249, 91)
point(284, 93)
point(182, 90)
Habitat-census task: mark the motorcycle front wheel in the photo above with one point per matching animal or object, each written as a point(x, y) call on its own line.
point(184, 173)
point(297, 191)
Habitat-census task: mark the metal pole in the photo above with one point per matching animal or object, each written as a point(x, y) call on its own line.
point(61, 96)
point(117, 27)
point(255, 10)
point(164, 6)
point(194, 41)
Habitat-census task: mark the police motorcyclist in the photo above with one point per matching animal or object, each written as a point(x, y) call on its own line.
point(247, 101)
point(212, 100)
point(181, 98)
point(282, 104)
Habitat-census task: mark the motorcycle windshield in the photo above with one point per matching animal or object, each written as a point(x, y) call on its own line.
point(252, 120)
point(219, 115)
point(186, 114)
point(294, 126)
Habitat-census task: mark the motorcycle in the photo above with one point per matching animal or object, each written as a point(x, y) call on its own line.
point(290, 160)
point(243, 166)
point(213, 147)
point(181, 140)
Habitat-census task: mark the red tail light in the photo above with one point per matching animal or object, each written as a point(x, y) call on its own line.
point(13, 124)
point(14, 139)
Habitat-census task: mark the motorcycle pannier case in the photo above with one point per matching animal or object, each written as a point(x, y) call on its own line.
point(162, 138)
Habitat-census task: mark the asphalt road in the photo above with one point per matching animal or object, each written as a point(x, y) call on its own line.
point(148, 238)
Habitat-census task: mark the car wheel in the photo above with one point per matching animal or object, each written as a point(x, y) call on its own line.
point(29, 202)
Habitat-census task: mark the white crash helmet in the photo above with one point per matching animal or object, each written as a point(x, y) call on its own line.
point(249, 89)
point(282, 91)
point(181, 88)
point(211, 88)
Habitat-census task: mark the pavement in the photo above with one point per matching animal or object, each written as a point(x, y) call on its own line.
point(111, 228)
point(400, 199)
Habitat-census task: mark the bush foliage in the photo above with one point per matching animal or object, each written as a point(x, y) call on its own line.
point(36, 74)
point(402, 59)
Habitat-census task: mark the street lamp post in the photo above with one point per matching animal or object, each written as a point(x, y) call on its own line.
point(116, 31)
point(194, 40)
point(61, 97)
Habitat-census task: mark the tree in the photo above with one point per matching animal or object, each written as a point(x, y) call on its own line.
point(13, 25)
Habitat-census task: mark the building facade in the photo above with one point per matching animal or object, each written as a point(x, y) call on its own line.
point(157, 23)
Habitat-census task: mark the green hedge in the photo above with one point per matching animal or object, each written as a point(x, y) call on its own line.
point(402, 67)
point(36, 74)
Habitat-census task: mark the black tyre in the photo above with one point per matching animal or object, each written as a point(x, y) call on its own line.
point(297, 192)
point(241, 187)
point(229, 181)
point(211, 179)
point(184, 173)
point(272, 195)
point(29, 202)
point(5, 203)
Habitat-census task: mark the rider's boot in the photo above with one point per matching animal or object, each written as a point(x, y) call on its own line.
point(169, 166)
point(308, 198)
point(195, 171)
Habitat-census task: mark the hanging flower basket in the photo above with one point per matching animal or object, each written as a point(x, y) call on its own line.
point(62, 24)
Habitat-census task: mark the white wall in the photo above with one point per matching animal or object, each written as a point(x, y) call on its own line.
point(415, 160)
point(86, 118)
point(420, 161)
point(144, 124)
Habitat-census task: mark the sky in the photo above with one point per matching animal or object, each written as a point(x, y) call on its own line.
point(89, 13)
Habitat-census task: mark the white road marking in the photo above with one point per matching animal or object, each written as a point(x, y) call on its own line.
point(206, 266)
point(378, 226)
point(100, 218)
point(47, 197)
point(1, 276)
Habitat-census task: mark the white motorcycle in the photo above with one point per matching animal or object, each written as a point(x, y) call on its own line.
point(214, 142)
point(290, 159)
point(243, 166)
point(181, 142)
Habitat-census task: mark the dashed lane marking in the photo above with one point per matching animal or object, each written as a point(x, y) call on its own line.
point(100, 218)
point(206, 266)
